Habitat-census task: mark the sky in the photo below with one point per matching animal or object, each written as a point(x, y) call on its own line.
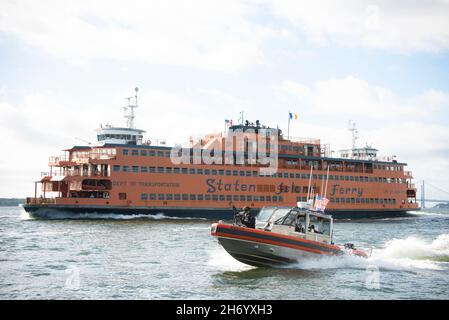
point(66, 67)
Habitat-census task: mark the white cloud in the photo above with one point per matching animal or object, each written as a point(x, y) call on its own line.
point(399, 25)
point(212, 35)
point(356, 97)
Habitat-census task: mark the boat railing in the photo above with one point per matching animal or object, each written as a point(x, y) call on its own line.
point(55, 160)
point(304, 140)
point(40, 200)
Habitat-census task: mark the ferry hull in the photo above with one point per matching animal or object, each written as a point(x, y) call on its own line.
point(265, 249)
point(55, 211)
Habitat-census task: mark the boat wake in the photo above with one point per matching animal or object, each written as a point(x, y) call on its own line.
point(409, 254)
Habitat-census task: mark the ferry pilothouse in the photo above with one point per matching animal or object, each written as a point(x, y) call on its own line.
point(125, 174)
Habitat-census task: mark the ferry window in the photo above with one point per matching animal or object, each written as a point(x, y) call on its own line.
point(336, 178)
point(285, 174)
point(199, 171)
point(256, 198)
point(376, 200)
point(222, 197)
point(207, 172)
point(275, 198)
point(280, 198)
point(303, 176)
point(351, 178)
point(242, 198)
point(297, 175)
point(394, 201)
point(320, 177)
point(235, 173)
point(342, 200)
point(214, 197)
point(143, 152)
point(200, 197)
point(160, 169)
point(122, 196)
point(221, 172)
point(185, 197)
point(160, 154)
point(193, 197)
point(177, 197)
point(135, 152)
point(167, 154)
point(228, 197)
point(268, 198)
point(152, 153)
point(176, 170)
point(135, 168)
point(248, 173)
point(249, 198)
point(152, 196)
point(169, 196)
point(184, 170)
point(207, 197)
point(152, 169)
point(143, 169)
point(332, 200)
point(192, 171)
point(242, 173)
point(254, 174)
point(346, 178)
point(292, 175)
point(116, 168)
point(348, 200)
point(125, 168)
point(337, 200)
point(279, 175)
point(125, 152)
point(357, 200)
point(228, 172)
point(362, 200)
point(262, 198)
point(161, 196)
point(144, 196)
point(168, 170)
point(235, 197)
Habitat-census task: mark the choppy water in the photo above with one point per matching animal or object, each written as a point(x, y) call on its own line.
point(158, 258)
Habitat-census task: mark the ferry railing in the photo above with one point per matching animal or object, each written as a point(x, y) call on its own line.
point(40, 200)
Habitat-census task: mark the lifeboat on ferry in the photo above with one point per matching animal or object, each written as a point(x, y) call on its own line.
point(280, 236)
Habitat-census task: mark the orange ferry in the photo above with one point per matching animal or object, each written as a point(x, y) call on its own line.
point(123, 174)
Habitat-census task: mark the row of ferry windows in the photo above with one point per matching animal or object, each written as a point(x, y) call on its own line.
point(153, 153)
point(221, 197)
point(209, 197)
point(222, 172)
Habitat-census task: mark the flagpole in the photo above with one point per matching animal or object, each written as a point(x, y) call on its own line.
point(288, 133)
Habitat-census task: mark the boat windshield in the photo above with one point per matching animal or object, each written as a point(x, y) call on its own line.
point(271, 213)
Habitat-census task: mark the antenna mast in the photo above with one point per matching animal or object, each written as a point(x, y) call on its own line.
point(355, 133)
point(130, 117)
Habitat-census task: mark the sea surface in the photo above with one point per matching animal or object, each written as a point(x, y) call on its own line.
point(118, 257)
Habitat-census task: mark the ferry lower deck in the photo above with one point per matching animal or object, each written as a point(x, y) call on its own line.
point(61, 211)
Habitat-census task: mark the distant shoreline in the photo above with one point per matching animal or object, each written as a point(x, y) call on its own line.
point(10, 202)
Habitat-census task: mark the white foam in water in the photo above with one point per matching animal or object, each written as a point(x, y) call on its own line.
point(408, 254)
point(220, 259)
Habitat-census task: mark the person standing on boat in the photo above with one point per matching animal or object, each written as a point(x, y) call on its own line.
point(247, 219)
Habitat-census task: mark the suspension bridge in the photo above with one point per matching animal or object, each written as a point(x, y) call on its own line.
point(423, 199)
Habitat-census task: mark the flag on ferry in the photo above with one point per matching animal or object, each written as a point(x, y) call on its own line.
point(228, 122)
point(292, 116)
